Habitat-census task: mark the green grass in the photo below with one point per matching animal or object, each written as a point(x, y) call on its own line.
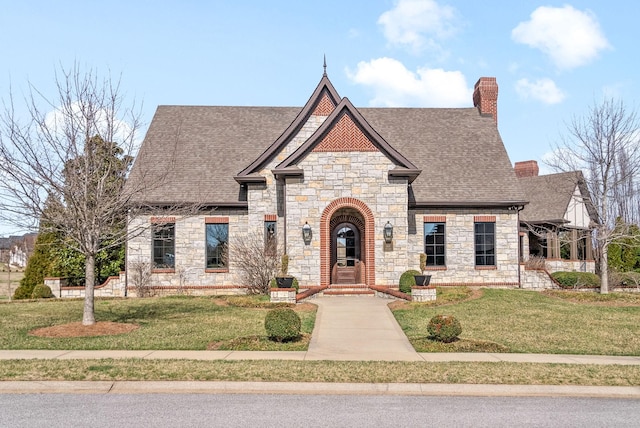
point(190, 323)
point(533, 322)
point(321, 371)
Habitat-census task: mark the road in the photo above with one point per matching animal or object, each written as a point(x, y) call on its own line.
point(260, 410)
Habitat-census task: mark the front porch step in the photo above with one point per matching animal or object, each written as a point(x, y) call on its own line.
point(348, 293)
point(348, 290)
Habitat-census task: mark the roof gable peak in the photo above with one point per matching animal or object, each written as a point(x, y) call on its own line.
point(347, 130)
point(322, 102)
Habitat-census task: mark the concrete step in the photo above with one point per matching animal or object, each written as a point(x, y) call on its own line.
point(343, 292)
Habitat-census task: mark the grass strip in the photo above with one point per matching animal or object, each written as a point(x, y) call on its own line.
point(321, 371)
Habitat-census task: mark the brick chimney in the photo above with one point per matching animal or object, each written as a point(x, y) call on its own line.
point(527, 169)
point(485, 96)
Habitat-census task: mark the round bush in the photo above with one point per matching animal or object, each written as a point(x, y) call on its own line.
point(282, 324)
point(407, 280)
point(444, 328)
point(41, 291)
point(22, 292)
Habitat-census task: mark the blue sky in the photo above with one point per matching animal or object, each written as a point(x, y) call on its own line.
point(552, 59)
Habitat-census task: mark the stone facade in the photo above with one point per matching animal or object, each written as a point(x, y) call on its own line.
point(330, 168)
point(350, 184)
point(460, 249)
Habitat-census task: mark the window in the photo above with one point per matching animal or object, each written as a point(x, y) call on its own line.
point(485, 243)
point(434, 246)
point(217, 235)
point(164, 243)
point(270, 241)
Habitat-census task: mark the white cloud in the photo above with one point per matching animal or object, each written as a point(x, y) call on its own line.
point(544, 90)
point(395, 86)
point(69, 123)
point(418, 24)
point(570, 37)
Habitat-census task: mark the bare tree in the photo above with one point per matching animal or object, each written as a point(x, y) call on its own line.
point(257, 266)
point(73, 152)
point(140, 277)
point(605, 144)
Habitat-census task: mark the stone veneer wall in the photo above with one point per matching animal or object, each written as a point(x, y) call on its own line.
point(460, 251)
point(362, 176)
point(189, 250)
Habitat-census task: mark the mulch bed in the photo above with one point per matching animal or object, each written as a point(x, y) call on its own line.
point(77, 329)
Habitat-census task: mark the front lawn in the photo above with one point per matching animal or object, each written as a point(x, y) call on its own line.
point(532, 322)
point(178, 322)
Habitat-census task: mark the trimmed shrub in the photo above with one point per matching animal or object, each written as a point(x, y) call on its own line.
point(407, 280)
point(282, 324)
point(444, 328)
point(41, 291)
point(22, 292)
point(577, 279)
point(273, 283)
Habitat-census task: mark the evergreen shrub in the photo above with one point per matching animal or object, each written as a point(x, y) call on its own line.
point(41, 291)
point(407, 280)
point(577, 279)
point(444, 328)
point(282, 324)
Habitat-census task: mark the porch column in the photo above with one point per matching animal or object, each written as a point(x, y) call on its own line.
point(553, 250)
point(573, 252)
point(589, 246)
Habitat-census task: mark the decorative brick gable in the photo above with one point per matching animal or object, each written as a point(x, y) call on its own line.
point(345, 136)
point(325, 106)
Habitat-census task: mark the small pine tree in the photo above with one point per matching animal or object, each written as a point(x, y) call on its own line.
point(39, 266)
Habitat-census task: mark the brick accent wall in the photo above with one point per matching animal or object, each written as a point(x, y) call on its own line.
point(324, 107)
point(345, 137)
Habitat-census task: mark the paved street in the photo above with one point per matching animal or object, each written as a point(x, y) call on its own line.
point(248, 410)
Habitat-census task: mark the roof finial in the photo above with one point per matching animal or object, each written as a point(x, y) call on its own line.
point(325, 65)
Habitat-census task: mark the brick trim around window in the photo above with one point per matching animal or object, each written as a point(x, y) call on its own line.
point(270, 217)
point(163, 220)
point(216, 220)
point(434, 219)
point(484, 219)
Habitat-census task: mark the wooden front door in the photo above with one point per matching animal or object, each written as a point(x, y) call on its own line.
point(345, 254)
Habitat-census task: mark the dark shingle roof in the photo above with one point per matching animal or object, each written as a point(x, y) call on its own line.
point(193, 153)
point(549, 196)
point(460, 153)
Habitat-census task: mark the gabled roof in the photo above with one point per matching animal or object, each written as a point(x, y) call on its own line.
point(549, 197)
point(323, 92)
point(345, 108)
point(204, 154)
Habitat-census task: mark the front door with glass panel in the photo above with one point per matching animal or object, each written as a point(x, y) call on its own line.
point(345, 254)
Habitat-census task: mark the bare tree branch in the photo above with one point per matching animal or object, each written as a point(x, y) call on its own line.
point(605, 144)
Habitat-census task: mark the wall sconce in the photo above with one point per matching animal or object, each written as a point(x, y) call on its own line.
point(388, 233)
point(306, 233)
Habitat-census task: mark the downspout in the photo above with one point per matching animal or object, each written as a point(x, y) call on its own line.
point(518, 209)
point(284, 211)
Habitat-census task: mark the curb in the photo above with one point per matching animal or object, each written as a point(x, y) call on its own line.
point(315, 388)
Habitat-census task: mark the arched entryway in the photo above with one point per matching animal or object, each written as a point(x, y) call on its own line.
point(346, 243)
point(346, 250)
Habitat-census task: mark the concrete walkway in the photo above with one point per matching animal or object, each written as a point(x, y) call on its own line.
point(358, 328)
point(41, 354)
